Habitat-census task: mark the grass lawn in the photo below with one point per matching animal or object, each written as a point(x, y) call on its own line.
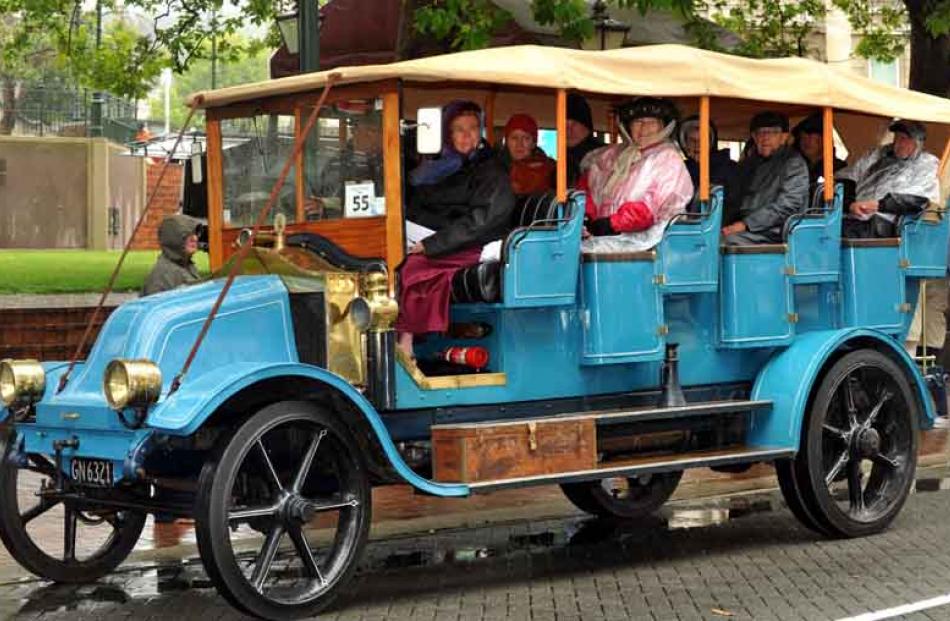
point(76, 271)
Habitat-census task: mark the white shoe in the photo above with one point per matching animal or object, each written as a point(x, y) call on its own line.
point(942, 422)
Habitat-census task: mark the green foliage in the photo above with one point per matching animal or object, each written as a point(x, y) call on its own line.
point(882, 27)
point(938, 21)
point(466, 24)
point(766, 28)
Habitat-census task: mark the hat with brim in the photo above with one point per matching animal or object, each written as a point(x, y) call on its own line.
point(769, 119)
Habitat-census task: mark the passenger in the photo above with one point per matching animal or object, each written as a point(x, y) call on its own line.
point(580, 136)
point(772, 184)
point(633, 190)
point(531, 171)
point(722, 170)
point(178, 237)
point(808, 140)
point(894, 180)
point(465, 197)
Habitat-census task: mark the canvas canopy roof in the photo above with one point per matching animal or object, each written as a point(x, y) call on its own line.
point(521, 79)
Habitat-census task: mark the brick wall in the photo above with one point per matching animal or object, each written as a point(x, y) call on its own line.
point(46, 333)
point(165, 203)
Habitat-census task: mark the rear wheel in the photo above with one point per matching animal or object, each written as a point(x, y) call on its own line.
point(62, 541)
point(859, 446)
point(623, 497)
point(291, 475)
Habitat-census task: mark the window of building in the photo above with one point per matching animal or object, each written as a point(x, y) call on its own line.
point(887, 72)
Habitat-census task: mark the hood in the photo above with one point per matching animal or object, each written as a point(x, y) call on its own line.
point(172, 234)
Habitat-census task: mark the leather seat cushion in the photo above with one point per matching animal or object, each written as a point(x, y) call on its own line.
point(478, 283)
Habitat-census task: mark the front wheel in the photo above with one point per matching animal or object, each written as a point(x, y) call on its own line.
point(622, 497)
point(291, 473)
point(60, 540)
point(859, 447)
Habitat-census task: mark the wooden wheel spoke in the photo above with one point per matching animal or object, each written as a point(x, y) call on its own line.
point(37, 510)
point(307, 462)
point(835, 431)
point(849, 403)
point(265, 557)
point(840, 463)
point(855, 491)
point(306, 554)
point(884, 460)
point(885, 396)
point(69, 533)
point(270, 464)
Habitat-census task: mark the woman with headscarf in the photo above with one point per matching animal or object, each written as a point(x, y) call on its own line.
point(463, 195)
point(635, 189)
point(895, 180)
point(531, 171)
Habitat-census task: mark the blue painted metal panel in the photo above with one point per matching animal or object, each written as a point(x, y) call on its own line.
point(542, 264)
point(818, 307)
point(924, 246)
point(689, 252)
point(623, 313)
point(814, 247)
point(756, 300)
point(788, 378)
point(872, 289)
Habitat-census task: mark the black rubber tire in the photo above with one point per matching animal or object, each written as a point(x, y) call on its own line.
point(810, 465)
point(22, 548)
point(214, 496)
point(787, 482)
point(649, 494)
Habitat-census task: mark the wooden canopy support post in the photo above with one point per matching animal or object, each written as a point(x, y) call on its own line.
point(490, 117)
point(945, 158)
point(561, 145)
point(828, 153)
point(215, 195)
point(392, 173)
point(612, 126)
point(704, 148)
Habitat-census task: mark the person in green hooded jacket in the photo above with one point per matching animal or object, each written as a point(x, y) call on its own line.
point(178, 237)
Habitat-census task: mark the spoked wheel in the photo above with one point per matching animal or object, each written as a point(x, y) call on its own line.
point(60, 541)
point(294, 475)
point(621, 497)
point(859, 446)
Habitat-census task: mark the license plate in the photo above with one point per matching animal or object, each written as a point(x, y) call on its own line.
point(92, 472)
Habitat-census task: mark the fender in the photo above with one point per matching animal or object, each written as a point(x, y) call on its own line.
point(186, 410)
point(788, 377)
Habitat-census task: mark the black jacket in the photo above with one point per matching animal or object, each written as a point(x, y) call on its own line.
point(574, 156)
point(771, 190)
point(722, 171)
point(818, 170)
point(470, 207)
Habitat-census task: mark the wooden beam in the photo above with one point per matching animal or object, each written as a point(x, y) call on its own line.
point(945, 159)
point(561, 145)
point(392, 173)
point(215, 194)
point(828, 152)
point(704, 148)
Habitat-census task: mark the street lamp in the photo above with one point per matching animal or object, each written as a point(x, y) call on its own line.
point(289, 31)
point(609, 33)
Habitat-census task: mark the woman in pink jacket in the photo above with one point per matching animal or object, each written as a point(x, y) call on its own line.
point(634, 189)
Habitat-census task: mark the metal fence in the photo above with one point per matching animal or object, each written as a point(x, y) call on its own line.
point(42, 111)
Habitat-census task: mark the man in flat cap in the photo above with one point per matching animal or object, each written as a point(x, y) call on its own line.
point(809, 140)
point(898, 179)
point(772, 184)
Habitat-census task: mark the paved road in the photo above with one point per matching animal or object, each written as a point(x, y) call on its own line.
point(743, 557)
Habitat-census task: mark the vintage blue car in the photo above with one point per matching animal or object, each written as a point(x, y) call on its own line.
point(267, 407)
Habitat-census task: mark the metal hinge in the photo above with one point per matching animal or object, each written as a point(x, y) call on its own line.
point(533, 436)
point(789, 270)
point(903, 264)
point(792, 317)
point(659, 279)
point(904, 308)
point(663, 330)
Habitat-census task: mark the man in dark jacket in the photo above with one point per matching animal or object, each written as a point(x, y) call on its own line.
point(580, 136)
point(178, 237)
point(773, 184)
point(808, 140)
point(722, 170)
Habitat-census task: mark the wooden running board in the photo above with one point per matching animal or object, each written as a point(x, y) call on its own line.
point(641, 465)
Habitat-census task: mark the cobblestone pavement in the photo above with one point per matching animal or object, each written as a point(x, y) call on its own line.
point(743, 557)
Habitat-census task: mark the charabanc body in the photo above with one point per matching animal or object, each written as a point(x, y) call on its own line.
point(609, 373)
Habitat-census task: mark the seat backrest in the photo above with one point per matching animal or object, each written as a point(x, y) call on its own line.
point(541, 259)
point(689, 251)
point(813, 239)
point(534, 208)
point(924, 243)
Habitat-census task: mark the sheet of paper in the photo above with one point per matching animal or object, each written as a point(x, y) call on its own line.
point(416, 233)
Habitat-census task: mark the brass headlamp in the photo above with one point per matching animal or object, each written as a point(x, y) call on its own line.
point(374, 311)
point(132, 383)
point(21, 381)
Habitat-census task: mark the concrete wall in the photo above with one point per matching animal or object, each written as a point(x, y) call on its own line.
point(68, 193)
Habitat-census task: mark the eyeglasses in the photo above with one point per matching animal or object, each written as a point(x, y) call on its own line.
point(768, 131)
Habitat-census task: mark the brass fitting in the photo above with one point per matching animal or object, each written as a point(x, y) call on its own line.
point(21, 380)
point(383, 308)
point(132, 383)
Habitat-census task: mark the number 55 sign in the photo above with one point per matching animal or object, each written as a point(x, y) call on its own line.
point(360, 201)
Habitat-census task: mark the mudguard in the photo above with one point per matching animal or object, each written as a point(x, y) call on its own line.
point(185, 411)
point(787, 380)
